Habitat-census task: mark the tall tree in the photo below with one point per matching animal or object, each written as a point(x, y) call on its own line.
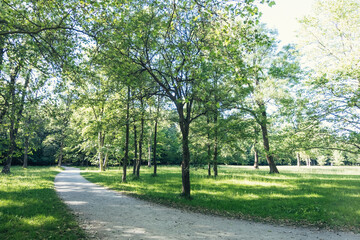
point(127, 130)
point(329, 42)
point(15, 114)
point(171, 43)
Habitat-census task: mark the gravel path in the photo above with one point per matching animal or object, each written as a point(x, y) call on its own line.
point(106, 214)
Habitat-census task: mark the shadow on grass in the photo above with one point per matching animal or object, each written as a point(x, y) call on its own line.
point(31, 212)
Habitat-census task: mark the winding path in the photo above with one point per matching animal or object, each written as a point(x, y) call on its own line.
point(106, 214)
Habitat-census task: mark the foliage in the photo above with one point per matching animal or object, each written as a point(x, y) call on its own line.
point(329, 43)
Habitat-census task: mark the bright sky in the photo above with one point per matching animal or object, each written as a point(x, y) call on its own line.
point(283, 17)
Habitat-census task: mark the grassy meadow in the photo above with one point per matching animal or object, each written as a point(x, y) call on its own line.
point(325, 197)
point(30, 208)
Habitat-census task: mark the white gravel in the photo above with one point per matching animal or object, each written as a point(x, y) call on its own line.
point(106, 214)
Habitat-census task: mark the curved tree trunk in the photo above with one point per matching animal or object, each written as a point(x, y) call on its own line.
point(263, 125)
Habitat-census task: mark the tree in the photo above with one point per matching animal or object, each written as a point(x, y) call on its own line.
point(329, 42)
point(172, 43)
point(266, 74)
point(33, 36)
point(15, 115)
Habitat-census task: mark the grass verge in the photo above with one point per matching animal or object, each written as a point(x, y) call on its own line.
point(30, 208)
point(325, 197)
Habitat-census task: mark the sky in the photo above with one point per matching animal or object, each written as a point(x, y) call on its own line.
point(283, 17)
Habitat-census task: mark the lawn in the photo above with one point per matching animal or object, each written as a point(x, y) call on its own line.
point(325, 197)
point(30, 208)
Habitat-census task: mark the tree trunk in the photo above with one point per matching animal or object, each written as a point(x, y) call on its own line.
point(101, 145)
point(7, 165)
point(215, 166)
point(256, 154)
point(256, 158)
point(61, 153)
point(149, 150)
point(298, 159)
point(208, 148)
point(126, 157)
point(138, 164)
point(15, 117)
point(185, 165)
point(135, 145)
point(263, 125)
point(26, 148)
point(155, 136)
point(106, 158)
point(154, 148)
point(5, 107)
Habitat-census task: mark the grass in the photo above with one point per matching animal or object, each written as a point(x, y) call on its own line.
point(325, 197)
point(30, 208)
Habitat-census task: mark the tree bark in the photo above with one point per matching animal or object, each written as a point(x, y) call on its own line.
point(185, 164)
point(106, 158)
point(126, 157)
point(154, 148)
point(26, 147)
point(15, 117)
point(5, 96)
point(298, 159)
point(215, 144)
point(101, 145)
point(208, 148)
point(136, 149)
point(263, 125)
point(256, 154)
point(26, 142)
point(138, 164)
point(61, 153)
point(155, 137)
point(149, 150)
point(256, 158)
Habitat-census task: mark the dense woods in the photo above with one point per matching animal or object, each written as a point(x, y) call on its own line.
point(189, 83)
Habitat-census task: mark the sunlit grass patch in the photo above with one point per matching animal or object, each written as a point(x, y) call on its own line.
point(322, 196)
point(30, 208)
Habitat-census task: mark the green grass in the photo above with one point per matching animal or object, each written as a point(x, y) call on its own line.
point(30, 208)
point(326, 197)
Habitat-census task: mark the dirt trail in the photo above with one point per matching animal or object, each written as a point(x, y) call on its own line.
point(106, 214)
